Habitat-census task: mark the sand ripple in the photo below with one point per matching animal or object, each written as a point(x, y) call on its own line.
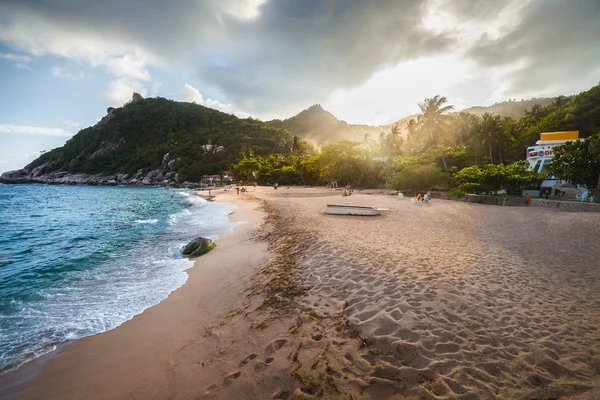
point(450, 300)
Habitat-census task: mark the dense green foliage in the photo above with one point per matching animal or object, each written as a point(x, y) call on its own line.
point(418, 178)
point(578, 162)
point(139, 134)
point(490, 178)
point(478, 153)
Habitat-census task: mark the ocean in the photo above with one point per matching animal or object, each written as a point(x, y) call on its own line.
point(80, 260)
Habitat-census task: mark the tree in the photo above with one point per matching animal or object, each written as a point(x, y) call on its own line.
point(418, 178)
point(348, 163)
point(578, 162)
point(433, 120)
point(493, 177)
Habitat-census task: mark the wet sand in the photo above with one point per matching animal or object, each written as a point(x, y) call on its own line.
point(444, 300)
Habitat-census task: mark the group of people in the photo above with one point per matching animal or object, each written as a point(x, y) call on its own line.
point(425, 198)
point(348, 192)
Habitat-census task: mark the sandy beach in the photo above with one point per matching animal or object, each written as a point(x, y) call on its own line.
point(445, 300)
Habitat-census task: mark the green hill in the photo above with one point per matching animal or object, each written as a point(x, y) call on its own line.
point(178, 141)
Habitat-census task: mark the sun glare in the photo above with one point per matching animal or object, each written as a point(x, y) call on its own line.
point(393, 93)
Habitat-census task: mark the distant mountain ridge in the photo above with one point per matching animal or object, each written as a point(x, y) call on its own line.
point(320, 127)
point(515, 109)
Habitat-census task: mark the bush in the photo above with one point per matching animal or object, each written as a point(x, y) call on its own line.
point(456, 192)
point(418, 178)
point(493, 177)
point(469, 187)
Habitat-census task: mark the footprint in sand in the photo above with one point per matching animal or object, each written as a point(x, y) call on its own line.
point(231, 377)
point(275, 345)
point(248, 358)
point(211, 389)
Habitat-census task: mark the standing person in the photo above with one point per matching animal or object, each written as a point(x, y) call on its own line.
point(527, 199)
point(238, 190)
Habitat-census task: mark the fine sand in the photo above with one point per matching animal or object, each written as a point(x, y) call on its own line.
point(445, 300)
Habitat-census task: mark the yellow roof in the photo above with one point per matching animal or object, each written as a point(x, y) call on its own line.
point(567, 135)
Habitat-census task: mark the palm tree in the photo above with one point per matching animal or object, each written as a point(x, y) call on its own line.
point(433, 120)
point(382, 143)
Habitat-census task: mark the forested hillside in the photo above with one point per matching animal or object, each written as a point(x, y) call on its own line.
point(511, 108)
point(137, 136)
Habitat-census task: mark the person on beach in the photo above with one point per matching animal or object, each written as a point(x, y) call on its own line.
point(419, 197)
point(527, 199)
point(238, 190)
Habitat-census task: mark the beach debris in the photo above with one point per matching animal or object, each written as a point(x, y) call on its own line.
point(198, 247)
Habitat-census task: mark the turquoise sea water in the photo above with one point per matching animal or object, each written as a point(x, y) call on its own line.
point(80, 260)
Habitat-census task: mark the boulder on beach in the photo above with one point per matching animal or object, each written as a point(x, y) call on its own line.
point(198, 247)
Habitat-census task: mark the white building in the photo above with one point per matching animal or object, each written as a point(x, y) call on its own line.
point(541, 154)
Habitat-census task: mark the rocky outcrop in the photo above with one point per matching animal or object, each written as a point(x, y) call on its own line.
point(45, 174)
point(198, 247)
point(136, 97)
point(50, 173)
point(110, 113)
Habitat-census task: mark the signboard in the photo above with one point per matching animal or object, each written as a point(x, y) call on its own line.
point(541, 153)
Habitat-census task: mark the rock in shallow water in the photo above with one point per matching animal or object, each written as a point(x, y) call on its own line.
point(198, 247)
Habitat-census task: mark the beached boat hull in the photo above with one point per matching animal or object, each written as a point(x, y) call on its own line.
point(337, 209)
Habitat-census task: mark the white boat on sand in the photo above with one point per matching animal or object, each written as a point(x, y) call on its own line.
point(346, 209)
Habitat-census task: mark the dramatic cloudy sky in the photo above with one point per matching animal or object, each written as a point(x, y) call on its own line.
point(62, 62)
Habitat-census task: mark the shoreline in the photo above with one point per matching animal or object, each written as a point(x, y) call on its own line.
point(35, 377)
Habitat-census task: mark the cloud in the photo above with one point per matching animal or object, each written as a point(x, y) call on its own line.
point(259, 54)
point(550, 50)
point(271, 58)
point(128, 66)
point(193, 95)
point(72, 124)
point(299, 52)
point(63, 73)
point(35, 130)
point(19, 58)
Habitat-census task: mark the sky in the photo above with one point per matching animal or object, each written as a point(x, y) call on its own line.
point(62, 63)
